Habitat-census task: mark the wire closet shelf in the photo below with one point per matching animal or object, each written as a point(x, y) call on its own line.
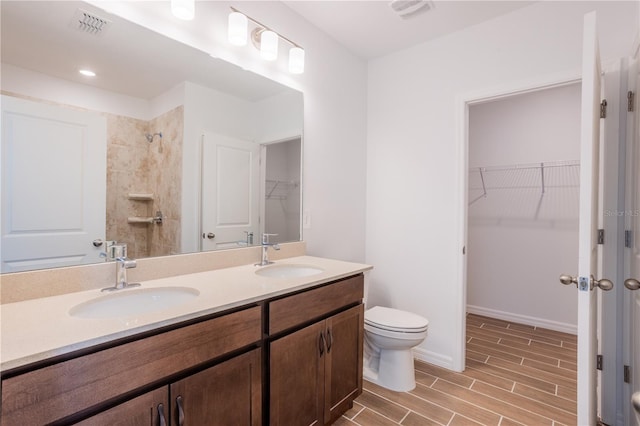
point(542, 176)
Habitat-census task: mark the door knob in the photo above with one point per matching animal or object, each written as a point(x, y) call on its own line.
point(632, 284)
point(568, 279)
point(209, 235)
point(97, 243)
point(603, 284)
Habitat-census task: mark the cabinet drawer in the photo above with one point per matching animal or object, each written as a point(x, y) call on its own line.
point(59, 390)
point(302, 307)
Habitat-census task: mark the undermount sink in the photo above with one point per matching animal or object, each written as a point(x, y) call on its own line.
point(288, 271)
point(128, 303)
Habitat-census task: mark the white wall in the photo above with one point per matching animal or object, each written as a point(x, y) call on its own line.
point(414, 159)
point(519, 239)
point(334, 87)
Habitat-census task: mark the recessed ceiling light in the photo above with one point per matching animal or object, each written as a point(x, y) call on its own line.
point(87, 73)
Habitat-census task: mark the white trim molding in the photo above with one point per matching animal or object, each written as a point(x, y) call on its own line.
point(523, 319)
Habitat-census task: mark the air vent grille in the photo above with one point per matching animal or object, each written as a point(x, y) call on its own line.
point(408, 8)
point(89, 23)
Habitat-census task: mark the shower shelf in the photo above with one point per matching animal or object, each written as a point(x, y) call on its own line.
point(141, 196)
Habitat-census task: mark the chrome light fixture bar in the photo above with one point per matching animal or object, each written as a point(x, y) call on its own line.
point(265, 39)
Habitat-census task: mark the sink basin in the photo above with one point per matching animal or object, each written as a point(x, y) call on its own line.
point(288, 271)
point(128, 303)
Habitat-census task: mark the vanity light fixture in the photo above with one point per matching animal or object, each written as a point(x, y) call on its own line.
point(268, 45)
point(183, 9)
point(265, 39)
point(237, 29)
point(296, 60)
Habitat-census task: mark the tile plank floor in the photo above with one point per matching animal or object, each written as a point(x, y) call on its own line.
point(515, 375)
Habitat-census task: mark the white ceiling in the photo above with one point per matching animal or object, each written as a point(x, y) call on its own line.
point(38, 35)
point(370, 29)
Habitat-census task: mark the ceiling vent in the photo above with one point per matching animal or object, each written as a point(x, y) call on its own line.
point(408, 8)
point(89, 23)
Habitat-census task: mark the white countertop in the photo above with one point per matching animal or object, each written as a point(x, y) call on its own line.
point(35, 330)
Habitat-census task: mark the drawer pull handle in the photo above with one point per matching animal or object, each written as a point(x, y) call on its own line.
point(329, 340)
point(321, 343)
point(161, 419)
point(180, 411)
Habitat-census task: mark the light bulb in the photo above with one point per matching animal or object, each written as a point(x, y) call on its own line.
point(296, 60)
point(183, 9)
point(237, 32)
point(269, 45)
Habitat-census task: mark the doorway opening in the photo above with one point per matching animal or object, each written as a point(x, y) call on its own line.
point(521, 231)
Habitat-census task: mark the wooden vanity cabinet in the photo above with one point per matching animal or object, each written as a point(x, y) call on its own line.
point(151, 408)
point(226, 394)
point(300, 354)
point(229, 393)
point(60, 392)
point(316, 371)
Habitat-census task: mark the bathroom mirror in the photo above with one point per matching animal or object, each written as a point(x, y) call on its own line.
point(159, 150)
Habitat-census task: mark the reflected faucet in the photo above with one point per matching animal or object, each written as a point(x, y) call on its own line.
point(123, 263)
point(265, 247)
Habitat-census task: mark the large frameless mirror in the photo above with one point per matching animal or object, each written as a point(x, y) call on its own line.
point(165, 149)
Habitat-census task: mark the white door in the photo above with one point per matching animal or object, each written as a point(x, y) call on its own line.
point(230, 191)
point(587, 251)
point(632, 213)
point(53, 185)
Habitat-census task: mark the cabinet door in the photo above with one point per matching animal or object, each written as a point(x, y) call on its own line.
point(229, 393)
point(148, 409)
point(297, 377)
point(343, 375)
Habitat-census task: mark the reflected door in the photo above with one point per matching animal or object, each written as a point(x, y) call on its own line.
point(230, 192)
point(53, 185)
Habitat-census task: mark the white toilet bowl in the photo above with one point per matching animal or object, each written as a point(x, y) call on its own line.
point(389, 336)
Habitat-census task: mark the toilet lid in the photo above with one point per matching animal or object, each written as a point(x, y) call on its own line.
point(394, 319)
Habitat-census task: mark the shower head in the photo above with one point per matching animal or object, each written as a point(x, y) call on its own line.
point(150, 136)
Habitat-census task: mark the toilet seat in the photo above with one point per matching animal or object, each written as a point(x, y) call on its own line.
point(395, 320)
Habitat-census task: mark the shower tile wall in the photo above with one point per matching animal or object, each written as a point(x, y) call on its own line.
point(165, 180)
point(136, 166)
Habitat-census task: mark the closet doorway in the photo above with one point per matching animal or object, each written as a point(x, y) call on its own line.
point(523, 194)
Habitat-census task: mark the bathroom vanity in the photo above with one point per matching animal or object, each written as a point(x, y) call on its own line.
point(272, 350)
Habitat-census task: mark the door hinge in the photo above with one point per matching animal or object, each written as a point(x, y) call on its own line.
point(603, 109)
point(599, 362)
point(627, 238)
point(630, 100)
point(626, 374)
point(600, 236)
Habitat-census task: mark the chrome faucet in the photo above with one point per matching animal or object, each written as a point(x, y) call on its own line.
point(123, 263)
point(265, 247)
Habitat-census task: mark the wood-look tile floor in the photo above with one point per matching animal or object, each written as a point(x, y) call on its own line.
point(515, 375)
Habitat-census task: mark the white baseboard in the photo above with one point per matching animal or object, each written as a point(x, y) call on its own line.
point(523, 319)
point(433, 358)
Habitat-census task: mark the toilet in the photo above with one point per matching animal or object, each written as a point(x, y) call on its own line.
point(389, 336)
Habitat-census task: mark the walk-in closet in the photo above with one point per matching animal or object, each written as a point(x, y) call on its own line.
point(523, 207)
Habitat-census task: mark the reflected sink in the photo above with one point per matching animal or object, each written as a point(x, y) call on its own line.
point(128, 303)
point(288, 271)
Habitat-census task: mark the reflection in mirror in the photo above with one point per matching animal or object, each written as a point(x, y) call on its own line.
point(135, 153)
